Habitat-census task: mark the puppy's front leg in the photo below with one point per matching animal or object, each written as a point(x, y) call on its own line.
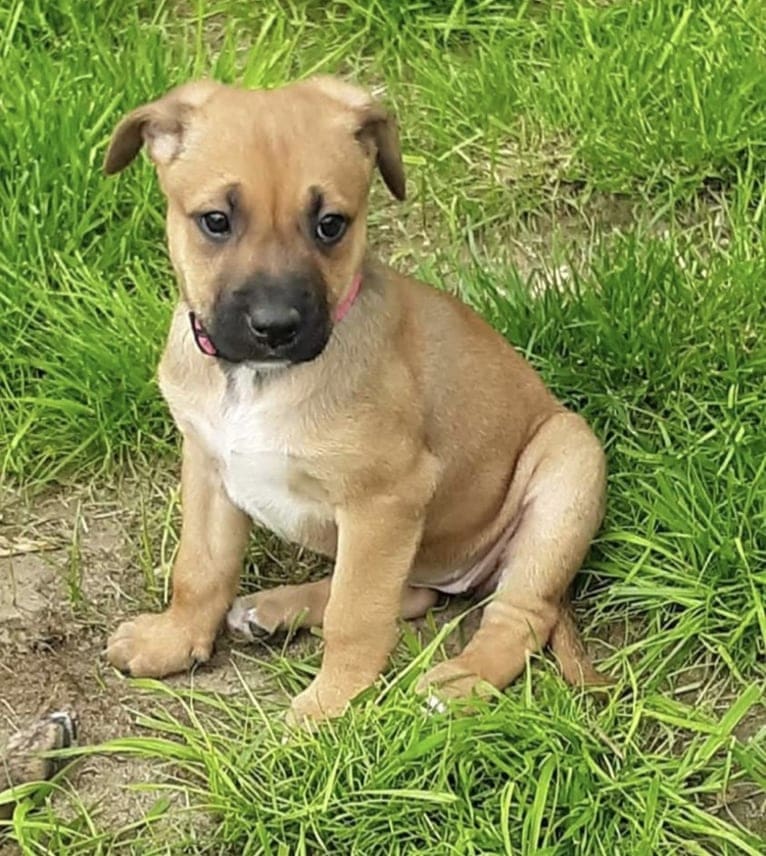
point(377, 542)
point(205, 573)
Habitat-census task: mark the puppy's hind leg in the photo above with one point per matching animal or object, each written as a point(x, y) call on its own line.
point(562, 471)
point(290, 607)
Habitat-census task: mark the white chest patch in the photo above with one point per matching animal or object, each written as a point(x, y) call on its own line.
point(248, 434)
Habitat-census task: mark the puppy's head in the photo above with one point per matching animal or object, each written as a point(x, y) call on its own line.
point(267, 203)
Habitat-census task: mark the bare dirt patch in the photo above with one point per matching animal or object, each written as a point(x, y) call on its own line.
point(69, 570)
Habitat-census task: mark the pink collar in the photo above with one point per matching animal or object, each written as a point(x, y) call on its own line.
point(205, 343)
point(341, 310)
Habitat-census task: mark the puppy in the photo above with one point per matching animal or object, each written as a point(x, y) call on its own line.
point(352, 410)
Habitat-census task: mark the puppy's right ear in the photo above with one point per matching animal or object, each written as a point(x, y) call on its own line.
point(160, 125)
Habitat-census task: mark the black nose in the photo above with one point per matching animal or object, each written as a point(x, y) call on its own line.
point(274, 325)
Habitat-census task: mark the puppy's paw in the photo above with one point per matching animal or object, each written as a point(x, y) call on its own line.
point(452, 679)
point(266, 612)
point(252, 620)
point(315, 704)
point(152, 646)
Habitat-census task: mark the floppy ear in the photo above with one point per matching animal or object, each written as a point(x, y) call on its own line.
point(380, 126)
point(374, 126)
point(160, 124)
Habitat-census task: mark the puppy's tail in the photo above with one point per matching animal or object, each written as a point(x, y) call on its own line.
point(576, 665)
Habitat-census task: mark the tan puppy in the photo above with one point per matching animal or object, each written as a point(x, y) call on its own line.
point(357, 412)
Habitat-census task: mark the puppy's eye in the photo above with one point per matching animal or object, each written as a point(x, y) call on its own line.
point(330, 228)
point(215, 224)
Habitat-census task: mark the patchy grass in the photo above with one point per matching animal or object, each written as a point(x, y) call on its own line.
point(539, 770)
point(590, 177)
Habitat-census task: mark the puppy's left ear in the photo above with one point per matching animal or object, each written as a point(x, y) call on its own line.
point(379, 126)
point(375, 128)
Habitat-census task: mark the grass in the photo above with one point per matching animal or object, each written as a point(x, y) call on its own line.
point(505, 112)
point(590, 177)
point(537, 771)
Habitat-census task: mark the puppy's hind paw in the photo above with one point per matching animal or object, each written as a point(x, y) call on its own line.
point(244, 619)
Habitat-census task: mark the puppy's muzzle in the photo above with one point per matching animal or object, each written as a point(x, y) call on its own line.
point(272, 319)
